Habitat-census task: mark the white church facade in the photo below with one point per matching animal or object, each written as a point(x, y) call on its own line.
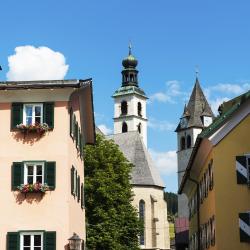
point(130, 133)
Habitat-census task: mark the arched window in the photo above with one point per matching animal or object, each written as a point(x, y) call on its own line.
point(131, 77)
point(183, 143)
point(124, 127)
point(142, 218)
point(124, 108)
point(139, 108)
point(189, 141)
point(139, 127)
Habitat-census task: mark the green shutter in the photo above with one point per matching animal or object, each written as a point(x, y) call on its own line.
point(16, 114)
point(48, 114)
point(79, 138)
point(78, 189)
point(75, 182)
point(74, 127)
point(50, 174)
point(82, 196)
point(76, 133)
point(70, 122)
point(72, 171)
point(49, 240)
point(81, 146)
point(17, 174)
point(13, 241)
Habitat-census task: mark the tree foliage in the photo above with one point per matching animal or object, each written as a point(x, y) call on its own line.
point(172, 201)
point(112, 222)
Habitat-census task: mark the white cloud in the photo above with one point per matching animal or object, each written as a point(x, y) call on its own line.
point(31, 63)
point(166, 162)
point(222, 92)
point(161, 125)
point(235, 89)
point(172, 93)
point(215, 103)
point(160, 97)
point(105, 129)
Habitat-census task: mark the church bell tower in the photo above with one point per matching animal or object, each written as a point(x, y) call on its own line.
point(130, 101)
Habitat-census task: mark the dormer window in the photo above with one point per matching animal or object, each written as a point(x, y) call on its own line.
point(33, 114)
point(207, 120)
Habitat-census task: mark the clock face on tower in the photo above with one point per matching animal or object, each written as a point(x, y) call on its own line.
point(184, 122)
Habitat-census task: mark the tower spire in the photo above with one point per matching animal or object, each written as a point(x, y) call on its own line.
point(130, 49)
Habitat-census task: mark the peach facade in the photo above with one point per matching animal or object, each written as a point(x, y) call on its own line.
point(56, 210)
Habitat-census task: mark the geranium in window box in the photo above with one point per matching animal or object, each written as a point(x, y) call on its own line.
point(33, 188)
point(39, 128)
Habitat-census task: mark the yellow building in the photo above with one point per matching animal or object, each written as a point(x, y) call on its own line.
point(217, 181)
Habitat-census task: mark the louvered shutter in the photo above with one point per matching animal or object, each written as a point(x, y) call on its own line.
point(241, 169)
point(74, 127)
point(212, 231)
point(78, 189)
point(82, 196)
point(211, 175)
point(83, 245)
point(72, 172)
point(17, 175)
point(75, 184)
point(50, 174)
point(16, 114)
point(49, 240)
point(71, 122)
point(48, 114)
point(76, 133)
point(13, 241)
point(244, 224)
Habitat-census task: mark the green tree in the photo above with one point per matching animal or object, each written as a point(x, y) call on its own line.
point(172, 201)
point(112, 222)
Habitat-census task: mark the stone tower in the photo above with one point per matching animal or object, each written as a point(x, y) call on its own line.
point(196, 116)
point(130, 101)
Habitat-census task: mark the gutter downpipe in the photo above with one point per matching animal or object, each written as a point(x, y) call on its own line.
point(198, 208)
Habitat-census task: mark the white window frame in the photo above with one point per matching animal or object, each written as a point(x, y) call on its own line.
point(32, 239)
point(34, 164)
point(33, 112)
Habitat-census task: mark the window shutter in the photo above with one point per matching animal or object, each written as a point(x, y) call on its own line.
point(78, 189)
point(75, 184)
point(50, 174)
point(76, 133)
point(16, 114)
point(74, 127)
point(211, 175)
point(72, 171)
point(71, 122)
point(83, 245)
point(241, 169)
point(244, 224)
point(82, 196)
point(13, 241)
point(17, 175)
point(49, 240)
point(79, 139)
point(48, 114)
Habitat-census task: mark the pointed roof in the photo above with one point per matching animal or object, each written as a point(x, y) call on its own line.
point(144, 172)
point(196, 108)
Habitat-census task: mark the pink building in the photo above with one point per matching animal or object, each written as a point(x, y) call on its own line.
point(44, 126)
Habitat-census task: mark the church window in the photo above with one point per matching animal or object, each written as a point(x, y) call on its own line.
point(139, 109)
point(188, 141)
point(124, 127)
point(183, 143)
point(142, 218)
point(124, 108)
point(126, 78)
point(139, 127)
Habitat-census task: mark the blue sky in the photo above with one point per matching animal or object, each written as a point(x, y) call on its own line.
point(170, 38)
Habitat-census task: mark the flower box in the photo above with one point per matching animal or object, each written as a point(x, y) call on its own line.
point(33, 188)
point(39, 128)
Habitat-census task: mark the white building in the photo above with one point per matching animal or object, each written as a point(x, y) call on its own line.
point(130, 133)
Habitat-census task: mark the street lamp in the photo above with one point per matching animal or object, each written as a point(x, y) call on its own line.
point(75, 242)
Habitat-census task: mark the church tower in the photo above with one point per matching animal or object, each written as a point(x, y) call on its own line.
point(130, 101)
point(196, 116)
